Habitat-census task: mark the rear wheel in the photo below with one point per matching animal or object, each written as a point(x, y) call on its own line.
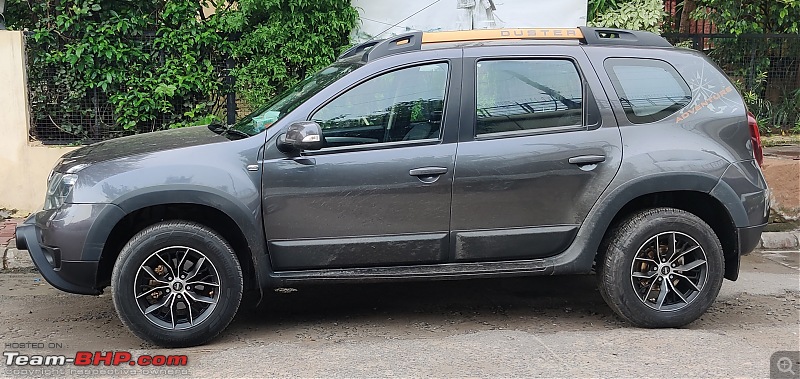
point(661, 267)
point(177, 284)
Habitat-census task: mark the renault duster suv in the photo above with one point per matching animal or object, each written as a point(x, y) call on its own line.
point(447, 155)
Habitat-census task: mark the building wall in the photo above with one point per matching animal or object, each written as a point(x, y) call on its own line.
point(24, 166)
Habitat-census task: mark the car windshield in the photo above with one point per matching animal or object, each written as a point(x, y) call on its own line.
point(282, 105)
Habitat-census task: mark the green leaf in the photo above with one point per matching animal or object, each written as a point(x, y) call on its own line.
point(149, 82)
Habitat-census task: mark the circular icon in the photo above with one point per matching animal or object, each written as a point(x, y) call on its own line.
point(785, 365)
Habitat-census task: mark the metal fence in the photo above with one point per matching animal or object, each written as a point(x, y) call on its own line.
point(62, 116)
point(764, 67)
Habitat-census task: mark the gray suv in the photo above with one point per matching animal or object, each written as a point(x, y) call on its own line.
point(425, 156)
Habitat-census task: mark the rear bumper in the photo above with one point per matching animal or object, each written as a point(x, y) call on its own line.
point(70, 276)
point(749, 238)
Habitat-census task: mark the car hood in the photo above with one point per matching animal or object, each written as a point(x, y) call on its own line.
point(135, 145)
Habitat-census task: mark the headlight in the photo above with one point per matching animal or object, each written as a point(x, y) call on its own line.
point(58, 188)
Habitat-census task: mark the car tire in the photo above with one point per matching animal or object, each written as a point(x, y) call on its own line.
point(661, 268)
point(177, 284)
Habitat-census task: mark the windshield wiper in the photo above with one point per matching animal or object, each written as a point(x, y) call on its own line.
point(236, 132)
point(217, 127)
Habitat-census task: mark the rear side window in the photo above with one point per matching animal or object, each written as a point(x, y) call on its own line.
point(649, 89)
point(515, 95)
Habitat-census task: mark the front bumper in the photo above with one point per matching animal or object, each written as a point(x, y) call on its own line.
point(70, 276)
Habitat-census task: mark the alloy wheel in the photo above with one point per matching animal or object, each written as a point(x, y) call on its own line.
point(177, 287)
point(669, 271)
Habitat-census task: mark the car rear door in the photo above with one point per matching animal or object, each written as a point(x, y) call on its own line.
point(538, 145)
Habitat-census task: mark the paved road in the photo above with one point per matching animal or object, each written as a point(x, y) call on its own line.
point(541, 326)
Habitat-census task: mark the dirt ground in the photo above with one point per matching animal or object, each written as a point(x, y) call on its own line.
point(539, 326)
point(782, 172)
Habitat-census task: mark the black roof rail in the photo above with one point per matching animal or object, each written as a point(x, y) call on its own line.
point(375, 49)
point(394, 45)
point(606, 36)
point(358, 49)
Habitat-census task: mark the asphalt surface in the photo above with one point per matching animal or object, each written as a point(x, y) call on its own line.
point(519, 327)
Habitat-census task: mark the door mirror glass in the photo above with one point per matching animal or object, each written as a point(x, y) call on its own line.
point(301, 135)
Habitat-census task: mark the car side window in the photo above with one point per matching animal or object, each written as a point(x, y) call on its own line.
point(402, 105)
point(515, 95)
point(649, 89)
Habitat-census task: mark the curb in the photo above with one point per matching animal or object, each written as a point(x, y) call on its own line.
point(780, 240)
point(14, 258)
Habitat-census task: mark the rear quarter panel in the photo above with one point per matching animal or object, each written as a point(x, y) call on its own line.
point(703, 138)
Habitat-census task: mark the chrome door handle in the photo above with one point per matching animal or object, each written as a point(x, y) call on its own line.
point(587, 159)
point(428, 171)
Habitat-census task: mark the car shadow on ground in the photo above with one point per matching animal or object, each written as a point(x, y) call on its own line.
point(401, 310)
point(418, 309)
point(547, 304)
point(320, 302)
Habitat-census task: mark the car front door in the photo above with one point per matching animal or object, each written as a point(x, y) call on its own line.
point(536, 152)
point(379, 192)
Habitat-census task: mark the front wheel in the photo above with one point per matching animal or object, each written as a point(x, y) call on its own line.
point(177, 284)
point(661, 267)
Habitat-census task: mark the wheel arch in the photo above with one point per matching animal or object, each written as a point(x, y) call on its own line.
point(689, 192)
point(232, 220)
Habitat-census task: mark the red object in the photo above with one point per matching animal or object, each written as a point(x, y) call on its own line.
point(755, 138)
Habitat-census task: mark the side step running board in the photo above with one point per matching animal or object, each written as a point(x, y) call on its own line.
point(442, 271)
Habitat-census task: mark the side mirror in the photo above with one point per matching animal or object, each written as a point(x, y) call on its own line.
point(301, 135)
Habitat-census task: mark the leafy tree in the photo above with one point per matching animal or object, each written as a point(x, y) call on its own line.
point(597, 7)
point(751, 16)
point(123, 64)
point(100, 67)
point(759, 67)
point(633, 14)
point(283, 41)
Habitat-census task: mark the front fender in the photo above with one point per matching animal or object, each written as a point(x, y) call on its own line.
point(248, 221)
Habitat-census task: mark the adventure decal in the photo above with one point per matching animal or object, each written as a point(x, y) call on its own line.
point(708, 94)
point(708, 103)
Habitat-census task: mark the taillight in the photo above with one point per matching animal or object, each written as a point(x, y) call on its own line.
point(755, 138)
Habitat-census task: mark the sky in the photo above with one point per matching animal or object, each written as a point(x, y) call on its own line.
point(379, 16)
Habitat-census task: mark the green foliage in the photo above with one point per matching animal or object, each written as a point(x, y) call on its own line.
point(751, 16)
point(134, 66)
point(759, 66)
point(283, 41)
point(597, 7)
point(124, 64)
point(775, 117)
point(634, 14)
